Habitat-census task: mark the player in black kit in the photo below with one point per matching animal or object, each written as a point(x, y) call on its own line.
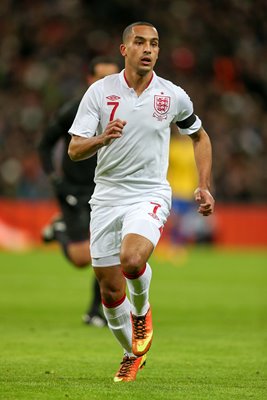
point(73, 188)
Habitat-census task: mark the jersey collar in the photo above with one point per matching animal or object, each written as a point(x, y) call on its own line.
point(125, 83)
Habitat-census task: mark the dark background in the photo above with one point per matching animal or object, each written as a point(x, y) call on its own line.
point(215, 50)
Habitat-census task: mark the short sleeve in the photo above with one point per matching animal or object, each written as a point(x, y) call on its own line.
point(185, 119)
point(88, 115)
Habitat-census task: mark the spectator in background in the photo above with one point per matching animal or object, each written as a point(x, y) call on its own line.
point(41, 58)
point(185, 225)
point(73, 186)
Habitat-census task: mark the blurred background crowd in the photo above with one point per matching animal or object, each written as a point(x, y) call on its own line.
point(215, 49)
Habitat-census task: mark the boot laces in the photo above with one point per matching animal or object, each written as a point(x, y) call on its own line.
point(126, 365)
point(139, 327)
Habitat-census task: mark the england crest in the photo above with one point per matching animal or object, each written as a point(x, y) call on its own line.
point(161, 106)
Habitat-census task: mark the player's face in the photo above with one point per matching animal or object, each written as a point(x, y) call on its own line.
point(102, 70)
point(141, 49)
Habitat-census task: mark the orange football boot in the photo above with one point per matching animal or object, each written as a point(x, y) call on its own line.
point(142, 331)
point(129, 368)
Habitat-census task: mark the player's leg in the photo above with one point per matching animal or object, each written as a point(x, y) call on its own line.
point(75, 240)
point(94, 313)
point(105, 233)
point(71, 228)
point(60, 229)
point(72, 233)
point(116, 305)
point(141, 232)
point(106, 226)
point(48, 232)
point(117, 309)
point(77, 221)
point(135, 252)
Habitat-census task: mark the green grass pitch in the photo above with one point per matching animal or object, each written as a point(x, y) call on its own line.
point(210, 322)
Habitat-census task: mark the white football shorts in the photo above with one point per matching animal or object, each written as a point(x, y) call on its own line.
point(109, 225)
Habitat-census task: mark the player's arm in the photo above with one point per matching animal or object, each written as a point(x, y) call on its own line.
point(203, 158)
point(84, 143)
point(51, 136)
point(46, 146)
point(53, 133)
point(81, 148)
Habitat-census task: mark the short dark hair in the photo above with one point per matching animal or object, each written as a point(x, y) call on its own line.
point(101, 60)
point(127, 31)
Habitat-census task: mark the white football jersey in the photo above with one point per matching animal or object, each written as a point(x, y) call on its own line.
point(134, 167)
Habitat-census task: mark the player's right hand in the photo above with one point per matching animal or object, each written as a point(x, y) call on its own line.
point(113, 131)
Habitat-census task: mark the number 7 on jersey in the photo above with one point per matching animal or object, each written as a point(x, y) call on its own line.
point(115, 105)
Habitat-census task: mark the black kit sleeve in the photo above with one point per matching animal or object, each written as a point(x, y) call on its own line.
point(56, 129)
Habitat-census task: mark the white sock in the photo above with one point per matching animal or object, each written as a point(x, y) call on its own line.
point(119, 322)
point(139, 291)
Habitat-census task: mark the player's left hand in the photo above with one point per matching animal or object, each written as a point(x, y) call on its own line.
point(205, 200)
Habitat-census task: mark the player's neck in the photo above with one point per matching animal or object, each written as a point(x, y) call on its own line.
point(138, 82)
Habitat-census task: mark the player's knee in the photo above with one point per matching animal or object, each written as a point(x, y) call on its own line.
point(111, 294)
point(131, 263)
point(81, 260)
point(81, 264)
point(79, 255)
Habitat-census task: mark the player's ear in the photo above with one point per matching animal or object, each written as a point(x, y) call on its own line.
point(123, 49)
